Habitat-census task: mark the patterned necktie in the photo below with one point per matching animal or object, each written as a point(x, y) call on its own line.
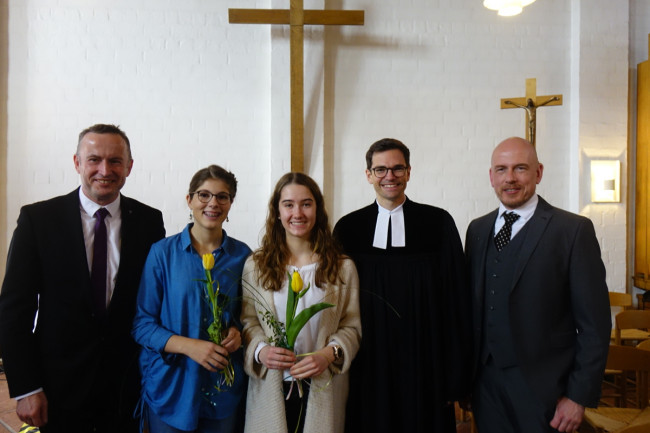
point(503, 237)
point(100, 258)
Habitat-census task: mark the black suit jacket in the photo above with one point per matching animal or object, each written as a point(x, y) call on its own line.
point(559, 307)
point(80, 361)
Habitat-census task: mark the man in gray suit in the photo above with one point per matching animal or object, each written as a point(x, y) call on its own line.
point(540, 305)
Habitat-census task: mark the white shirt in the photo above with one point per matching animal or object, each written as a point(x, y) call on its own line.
point(113, 228)
point(396, 219)
point(525, 212)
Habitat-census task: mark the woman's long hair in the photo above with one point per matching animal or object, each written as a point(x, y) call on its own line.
point(273, 256)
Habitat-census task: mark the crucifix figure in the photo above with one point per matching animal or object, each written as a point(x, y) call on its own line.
point(297, 18)
point(529, 103)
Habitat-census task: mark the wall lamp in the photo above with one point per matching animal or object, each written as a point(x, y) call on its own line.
point(507, 8)
point(605, 181)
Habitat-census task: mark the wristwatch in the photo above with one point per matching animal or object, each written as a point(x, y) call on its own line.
point(338, 353)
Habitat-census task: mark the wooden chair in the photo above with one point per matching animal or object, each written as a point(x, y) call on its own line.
point(617, 299)
point(643, 304)
point(613, 419)
point(626, 329)
point(614, 382)
point(639, 428)
point(466, 417)
point(645, 345)
point(631, 325)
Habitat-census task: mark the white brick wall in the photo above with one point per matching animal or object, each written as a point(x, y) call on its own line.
point(191, 89)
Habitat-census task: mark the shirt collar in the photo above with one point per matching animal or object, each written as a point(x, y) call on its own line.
point(398, 209)
point(396, 219)
point(90, 207)
point(525, 211)
point(226, 244)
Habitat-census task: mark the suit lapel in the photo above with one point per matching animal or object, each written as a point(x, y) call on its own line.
point(127, 236)
point(370, 214)
point(74, 233)
point(485, 230)
point(126, 232)
point(536, 227)
point(70, 232)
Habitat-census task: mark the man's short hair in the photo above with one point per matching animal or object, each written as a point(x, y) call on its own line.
point(387, 144)
point(101, 128)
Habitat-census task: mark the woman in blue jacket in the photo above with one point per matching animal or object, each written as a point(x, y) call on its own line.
point(183, 386)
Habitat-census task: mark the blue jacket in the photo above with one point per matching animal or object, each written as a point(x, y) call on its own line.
point(172, 302)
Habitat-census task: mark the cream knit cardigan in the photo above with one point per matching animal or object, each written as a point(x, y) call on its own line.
point(328, 393)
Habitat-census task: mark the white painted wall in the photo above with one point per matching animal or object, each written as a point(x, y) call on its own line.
point(190, 89)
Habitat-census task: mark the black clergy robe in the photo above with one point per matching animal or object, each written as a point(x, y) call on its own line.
point(415, 316)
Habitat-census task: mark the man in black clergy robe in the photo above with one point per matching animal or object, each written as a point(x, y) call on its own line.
point(415, 315)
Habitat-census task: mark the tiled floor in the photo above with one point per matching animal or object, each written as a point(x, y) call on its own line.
point(9, 422)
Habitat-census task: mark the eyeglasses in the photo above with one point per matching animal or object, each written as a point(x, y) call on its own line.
point(205, 196)
point(398, 171)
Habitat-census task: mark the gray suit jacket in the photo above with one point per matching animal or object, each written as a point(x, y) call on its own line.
point(558, 305)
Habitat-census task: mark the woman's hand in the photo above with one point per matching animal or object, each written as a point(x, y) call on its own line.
point(210, 356)
point(277, 358)
point(314, 364)
point(232, 341)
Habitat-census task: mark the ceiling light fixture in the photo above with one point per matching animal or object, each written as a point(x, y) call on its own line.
point(507, 8)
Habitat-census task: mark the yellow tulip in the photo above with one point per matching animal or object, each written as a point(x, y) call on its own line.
point(296, 282)
point(208, 262)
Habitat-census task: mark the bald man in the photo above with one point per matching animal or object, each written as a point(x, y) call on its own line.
point(540, 305)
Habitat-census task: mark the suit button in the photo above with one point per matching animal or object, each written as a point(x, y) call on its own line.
point(491, 308)
point(491, 292)
point(494, 275)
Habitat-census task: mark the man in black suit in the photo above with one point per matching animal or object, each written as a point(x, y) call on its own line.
point(75, 368)
point(540, 305)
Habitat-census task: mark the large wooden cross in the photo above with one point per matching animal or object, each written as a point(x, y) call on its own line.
point(530, 104)
point(297, 18)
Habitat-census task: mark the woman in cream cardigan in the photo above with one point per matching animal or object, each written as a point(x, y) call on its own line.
point(298, 238)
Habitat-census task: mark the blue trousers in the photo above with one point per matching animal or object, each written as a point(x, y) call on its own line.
point(156, 425)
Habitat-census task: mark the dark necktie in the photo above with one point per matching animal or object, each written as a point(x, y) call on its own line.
point(503, 237)
point(100, 258)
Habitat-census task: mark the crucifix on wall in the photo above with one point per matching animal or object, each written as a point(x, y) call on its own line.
point(530, 104)
point(297, 17)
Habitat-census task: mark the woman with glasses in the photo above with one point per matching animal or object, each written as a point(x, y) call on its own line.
point(190, 383)
point(298, 240)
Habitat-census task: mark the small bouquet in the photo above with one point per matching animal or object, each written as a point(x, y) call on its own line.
point(285, 334)
point(216, 329)
point(295, 322)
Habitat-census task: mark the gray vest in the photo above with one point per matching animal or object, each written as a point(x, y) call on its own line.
point(499, 271)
